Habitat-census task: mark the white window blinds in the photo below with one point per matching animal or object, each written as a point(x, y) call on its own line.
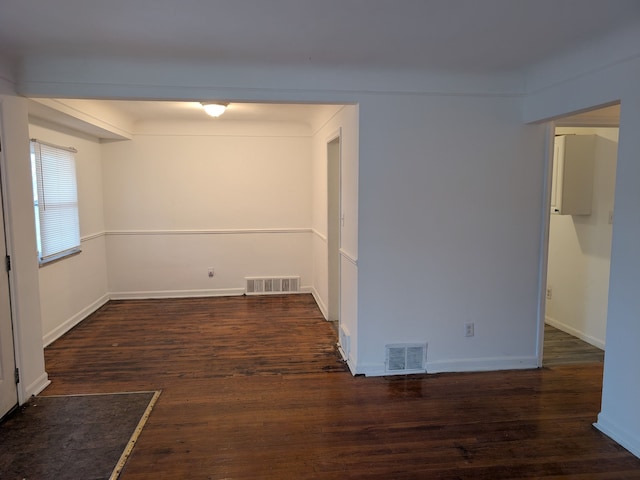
point(55, 200)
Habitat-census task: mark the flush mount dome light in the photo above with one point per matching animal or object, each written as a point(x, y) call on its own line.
point(215, 109)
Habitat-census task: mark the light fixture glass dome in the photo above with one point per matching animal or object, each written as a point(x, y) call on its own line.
point(215, 109)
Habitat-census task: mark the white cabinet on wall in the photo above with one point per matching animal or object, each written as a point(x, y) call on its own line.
point(572, 180)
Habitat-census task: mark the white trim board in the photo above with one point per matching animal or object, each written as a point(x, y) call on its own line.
point(369, 369)
point(220, 292)
point(36, 387)
point(150, 294)
point(321, 305)
point(321, 236)
point(92, 236)
point(349, 361)
point(619, 435)
point(482, 364)
point(458, 365)
point(347, 256)
point(225, 231)
point(56, 333)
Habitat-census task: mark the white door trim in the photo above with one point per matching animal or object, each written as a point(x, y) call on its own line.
point(9, 356)
point(544, 240)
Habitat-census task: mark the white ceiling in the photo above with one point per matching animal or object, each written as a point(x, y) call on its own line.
point(440, 35)
point(463, 36)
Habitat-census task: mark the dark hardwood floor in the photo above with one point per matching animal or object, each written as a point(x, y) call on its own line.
point(253, 388)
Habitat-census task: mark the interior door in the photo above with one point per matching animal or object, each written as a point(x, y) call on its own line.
point(8, 388)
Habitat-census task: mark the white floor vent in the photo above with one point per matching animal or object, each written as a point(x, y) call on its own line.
point(406, 358)
point(271, 285)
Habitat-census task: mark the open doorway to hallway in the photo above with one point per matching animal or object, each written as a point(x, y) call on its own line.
point(580, 231)
point(334, 218)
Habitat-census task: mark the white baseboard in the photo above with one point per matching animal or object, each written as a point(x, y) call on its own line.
point(342, 352)
point(482, 364)
point(321, 304)
point(596, 342)
point(352, 366)
point(221, 292)
point(459, 365)
point(347, 359)
point(620, 435)
point(34, 388)
point(369, 369)
point(63, 328)
point(60, 330)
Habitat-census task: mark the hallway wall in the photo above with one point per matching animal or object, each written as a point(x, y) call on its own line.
point(580, 250)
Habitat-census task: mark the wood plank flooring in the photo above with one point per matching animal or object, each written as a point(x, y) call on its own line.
point(253, 388)
point(560, 348)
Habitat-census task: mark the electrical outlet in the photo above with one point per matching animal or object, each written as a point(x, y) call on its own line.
point(211, 272)
point(549, 293)
point(468, 329)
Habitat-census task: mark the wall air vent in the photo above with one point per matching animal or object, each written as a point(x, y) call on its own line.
point(406, 358)
point(271, 285)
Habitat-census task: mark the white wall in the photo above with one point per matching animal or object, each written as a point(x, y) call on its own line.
point(344, 122)
point(450, 199)
point(180, 198)
point(580, 250)
point(74, 287)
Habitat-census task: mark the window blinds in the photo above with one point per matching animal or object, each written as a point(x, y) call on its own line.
point(56, 200)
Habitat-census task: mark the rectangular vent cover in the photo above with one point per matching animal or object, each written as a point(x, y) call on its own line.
point(407, 358)
point(271, 285)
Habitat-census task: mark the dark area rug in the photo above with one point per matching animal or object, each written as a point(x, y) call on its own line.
point(86, 437)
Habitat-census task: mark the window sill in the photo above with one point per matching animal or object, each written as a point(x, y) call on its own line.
point(58, 257)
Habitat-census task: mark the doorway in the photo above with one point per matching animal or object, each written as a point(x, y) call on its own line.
point(8, 387)
point(334, 226)
point(580, 233)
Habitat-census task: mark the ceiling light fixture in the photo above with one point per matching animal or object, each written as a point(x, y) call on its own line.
point(215, 109)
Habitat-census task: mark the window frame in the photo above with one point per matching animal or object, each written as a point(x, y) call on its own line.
point(54, 183)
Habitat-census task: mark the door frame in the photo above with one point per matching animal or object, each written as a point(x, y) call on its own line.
point(19, 394)
point(334, 165)
point(544, 239)
point(546, 223)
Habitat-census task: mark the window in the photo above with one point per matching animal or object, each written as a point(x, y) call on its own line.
point(55, 199)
